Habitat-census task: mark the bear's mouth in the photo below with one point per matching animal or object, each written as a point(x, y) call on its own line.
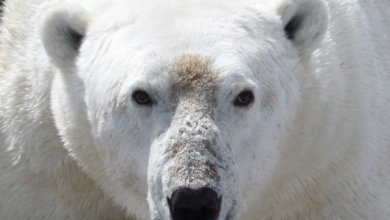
point(231, 214)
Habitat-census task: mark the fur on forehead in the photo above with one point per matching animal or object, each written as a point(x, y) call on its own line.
point(193, 72)
point(194, 80)
point(129, 12)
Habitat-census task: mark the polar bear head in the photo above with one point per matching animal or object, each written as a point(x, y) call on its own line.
point(178, 109)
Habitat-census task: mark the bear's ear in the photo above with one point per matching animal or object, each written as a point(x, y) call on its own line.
point(62, 29)
point(305, 21)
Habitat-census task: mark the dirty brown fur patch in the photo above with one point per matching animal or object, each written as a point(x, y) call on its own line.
point(193, 75)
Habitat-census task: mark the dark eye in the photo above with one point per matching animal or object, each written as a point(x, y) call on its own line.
point(244, 99)
point(142, 98)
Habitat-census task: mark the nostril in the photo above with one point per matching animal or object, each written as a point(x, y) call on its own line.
point(194, 204)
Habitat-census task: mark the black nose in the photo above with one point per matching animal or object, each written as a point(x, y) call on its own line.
point(198, 204)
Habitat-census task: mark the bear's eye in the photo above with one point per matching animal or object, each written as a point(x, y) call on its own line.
point(142, 98)
point(244, 99)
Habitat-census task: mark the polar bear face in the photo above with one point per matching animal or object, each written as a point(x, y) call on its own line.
point(182, 112)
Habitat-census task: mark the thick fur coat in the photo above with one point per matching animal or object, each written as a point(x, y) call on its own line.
point(281, 109)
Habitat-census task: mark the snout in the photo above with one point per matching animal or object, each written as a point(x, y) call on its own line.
point(194, 204)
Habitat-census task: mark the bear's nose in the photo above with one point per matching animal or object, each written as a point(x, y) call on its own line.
point(194, 204)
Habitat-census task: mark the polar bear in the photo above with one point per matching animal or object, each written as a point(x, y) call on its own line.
point(195, 110)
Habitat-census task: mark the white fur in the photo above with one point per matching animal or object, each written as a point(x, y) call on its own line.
point(314, 16)
point(313, 145)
